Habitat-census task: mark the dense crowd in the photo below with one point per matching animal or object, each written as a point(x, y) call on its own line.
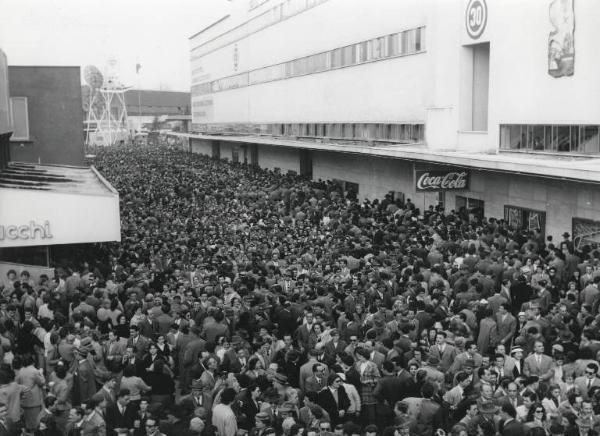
point(242, 300)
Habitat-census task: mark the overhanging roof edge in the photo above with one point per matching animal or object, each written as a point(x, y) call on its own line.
point(486, 162)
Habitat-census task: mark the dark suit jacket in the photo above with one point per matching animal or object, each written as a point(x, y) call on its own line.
point(311, 384)
point(390, 389)
point(513, 428)
point(9, 429)
point(332, 351)
point(114, 419)
point(249, 409)
point(429, 419)
point(235, 365)
point(425, 321)
point(302, 335)
point(327, 402)
point(187, 404)
point(141, 345)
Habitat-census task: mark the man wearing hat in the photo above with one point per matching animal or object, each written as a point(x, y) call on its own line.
point(433, 373)
point(566, 242)
point(84, 379)
point(199, 397)
point(488, 412)
point(261, 422)
point(583, 428)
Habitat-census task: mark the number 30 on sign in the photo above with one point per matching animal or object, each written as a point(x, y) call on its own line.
point(476, 18)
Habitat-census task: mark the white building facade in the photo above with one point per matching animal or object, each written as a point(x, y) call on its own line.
point(376, 93)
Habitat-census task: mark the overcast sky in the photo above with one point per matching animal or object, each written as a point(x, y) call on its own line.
point(80, 32)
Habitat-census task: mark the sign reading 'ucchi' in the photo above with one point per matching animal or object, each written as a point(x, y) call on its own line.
point(441, 180)
point(26, 231)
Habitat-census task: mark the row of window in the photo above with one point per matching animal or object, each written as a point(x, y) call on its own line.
point(583, 139)
point(408, 133)
point(272, 16)
point(397, 44)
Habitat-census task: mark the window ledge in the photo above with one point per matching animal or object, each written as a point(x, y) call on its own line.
point(21, 140)
point(549, 153)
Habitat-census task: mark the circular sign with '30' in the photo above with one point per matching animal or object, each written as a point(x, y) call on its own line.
point(476, 18)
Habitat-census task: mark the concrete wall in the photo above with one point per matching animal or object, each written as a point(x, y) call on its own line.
point(55, 114)
point(375, 176)
point(226, 150)
point(201, 146)
point(284, 158)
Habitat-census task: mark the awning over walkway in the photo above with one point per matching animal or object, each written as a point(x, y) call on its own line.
point(576, 168)
point(49, 205)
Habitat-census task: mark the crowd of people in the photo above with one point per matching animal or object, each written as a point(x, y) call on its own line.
point(245, 301)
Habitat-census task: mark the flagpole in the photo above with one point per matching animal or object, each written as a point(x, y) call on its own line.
point(137, 71)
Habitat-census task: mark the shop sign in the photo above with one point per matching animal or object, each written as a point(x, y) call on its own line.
point(476, 18)
point(442, 180)
point(26, 231)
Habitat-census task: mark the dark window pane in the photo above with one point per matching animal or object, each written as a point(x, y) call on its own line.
point(548, 144)
point(563, 138)
point(538, 138)
point(574, 139)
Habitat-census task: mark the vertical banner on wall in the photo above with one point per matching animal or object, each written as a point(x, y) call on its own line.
point(520, 218)
point(561, 41)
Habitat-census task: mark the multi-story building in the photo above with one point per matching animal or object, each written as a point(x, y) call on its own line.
point(47, 196)
point(490, 105)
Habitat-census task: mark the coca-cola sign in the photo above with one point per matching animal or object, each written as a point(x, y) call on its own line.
point(441, 180)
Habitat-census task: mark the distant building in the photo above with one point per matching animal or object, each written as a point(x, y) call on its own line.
point(47, 114)
point(144, 106)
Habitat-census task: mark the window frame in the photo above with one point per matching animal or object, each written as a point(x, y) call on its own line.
point(12, 118)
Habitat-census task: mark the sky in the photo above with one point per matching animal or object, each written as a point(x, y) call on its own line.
point(153, 33)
